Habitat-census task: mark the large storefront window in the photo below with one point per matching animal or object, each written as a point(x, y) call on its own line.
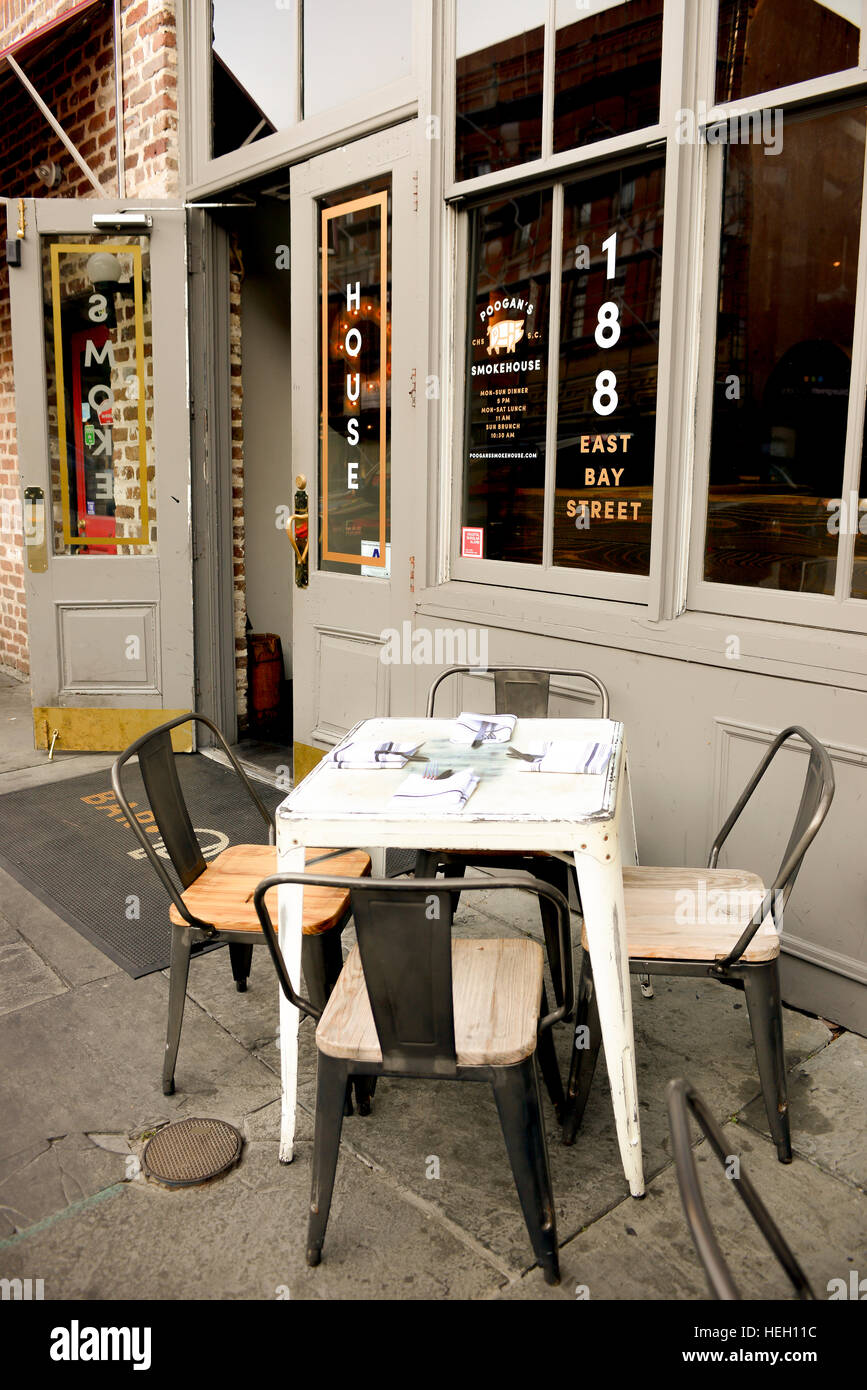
point(374, 49)
point(783, 354)
point(507, 376)
point(608, 61)
point(780, 42)
point(609, 338)
point(598, 408)
point(254, 72)
point(500, 60)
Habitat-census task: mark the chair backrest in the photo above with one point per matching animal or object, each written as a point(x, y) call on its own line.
point(682, 1099)
point(816, 797)
point(156, 761)
point(404, 939)
point(157, 764)
point(520, 690)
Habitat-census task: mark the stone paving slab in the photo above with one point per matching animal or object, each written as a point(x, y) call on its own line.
point(243, 1237)
point(89, 1061)
point(827, 1108)
point(24, 977)
point(73, 958)
point(643, 1249)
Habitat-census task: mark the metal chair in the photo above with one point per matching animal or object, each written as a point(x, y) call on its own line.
point(681, 1098)
point(412, 1002)
point(740, 949)
point(214, 903)
point(525, 692)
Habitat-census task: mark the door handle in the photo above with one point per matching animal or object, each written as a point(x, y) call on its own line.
point(298, 531)
point(35, 538)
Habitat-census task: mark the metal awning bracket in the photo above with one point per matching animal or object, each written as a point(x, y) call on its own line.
point(54, 123)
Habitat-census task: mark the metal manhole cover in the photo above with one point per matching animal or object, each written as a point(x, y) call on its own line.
point(191, 1151)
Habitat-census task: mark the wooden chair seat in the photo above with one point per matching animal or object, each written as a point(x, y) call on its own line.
point(497, 990)
point(223, 894)
point(693, 914)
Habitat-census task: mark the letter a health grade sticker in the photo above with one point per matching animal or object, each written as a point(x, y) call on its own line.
point(472, 542)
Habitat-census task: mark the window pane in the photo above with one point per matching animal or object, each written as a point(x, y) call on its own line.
point(355, 380)
point(608, 69)
point(604, 501)
point(352, 48)
point(500, 53)
point(784, 342)
point(778, 42)
point(99, 373)
point(254, 72)
point(507, 358)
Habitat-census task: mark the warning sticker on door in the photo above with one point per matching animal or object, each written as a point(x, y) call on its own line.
point(472, 542)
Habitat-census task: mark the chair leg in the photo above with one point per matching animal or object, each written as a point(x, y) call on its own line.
point(762, 989)
point(178, 975)
point(550, 1067)
point(584, 1058)
point(321, 963)
point(426, 864)
point(516, 1091)
point(331, 1086)
point(241, 958)
point(554, 872)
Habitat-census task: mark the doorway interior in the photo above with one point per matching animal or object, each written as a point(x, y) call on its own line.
point(240, 331)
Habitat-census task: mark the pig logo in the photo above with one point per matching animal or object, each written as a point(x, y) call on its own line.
point(504, 334)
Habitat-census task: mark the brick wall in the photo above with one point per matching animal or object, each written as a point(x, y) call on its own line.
point(72, 68)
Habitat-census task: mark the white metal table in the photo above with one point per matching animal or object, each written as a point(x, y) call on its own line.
point(511, 810)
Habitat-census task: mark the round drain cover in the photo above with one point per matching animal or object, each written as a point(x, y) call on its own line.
point(191, 1151)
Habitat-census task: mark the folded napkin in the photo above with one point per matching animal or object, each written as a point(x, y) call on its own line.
point(368, 754)
point(584, 756)
point(493, 728)
point(425, 794)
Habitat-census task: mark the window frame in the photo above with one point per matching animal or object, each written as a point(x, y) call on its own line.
point(384, 106)
point(460, 199)
point(692, 212)
point(837, 611)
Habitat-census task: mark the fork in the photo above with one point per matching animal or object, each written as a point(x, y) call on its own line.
point(433, 774)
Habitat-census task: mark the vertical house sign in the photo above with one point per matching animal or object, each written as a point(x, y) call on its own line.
point(354, 385)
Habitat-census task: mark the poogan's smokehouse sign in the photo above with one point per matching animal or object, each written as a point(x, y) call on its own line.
point(354, 386)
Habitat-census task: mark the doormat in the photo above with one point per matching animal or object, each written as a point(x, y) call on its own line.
point(65, 842)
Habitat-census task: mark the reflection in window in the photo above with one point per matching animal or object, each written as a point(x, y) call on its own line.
point(507, 360)
point(500, 58)
point(773, 43)
point(355, 380)
point(784, 344)
point(352, 48)
point(99, 374)
point(608, 64)
point(254, 68)
point(604, 500)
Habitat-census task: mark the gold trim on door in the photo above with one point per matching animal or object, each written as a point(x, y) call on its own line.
point(304, 759)
point(95, 730)
point(131, 249)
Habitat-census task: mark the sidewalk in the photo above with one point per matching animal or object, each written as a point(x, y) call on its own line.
point(81, 1046)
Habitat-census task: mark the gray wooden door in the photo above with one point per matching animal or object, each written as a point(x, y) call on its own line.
point(99, 346)
point(358, 348)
